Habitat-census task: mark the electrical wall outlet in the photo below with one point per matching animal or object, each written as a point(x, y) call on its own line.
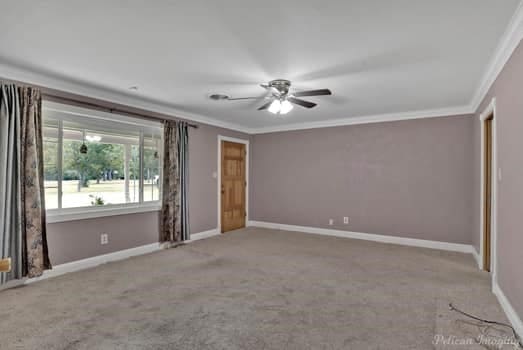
point(331, 222)
point(345, 220)
point(104, 238)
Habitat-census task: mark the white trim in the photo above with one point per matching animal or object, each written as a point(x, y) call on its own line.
point(100, 115)
point(94, 261)
point(477, 257)
point(72, 214)
point(512, 315)
point(68, 112)
point(140, 169)
point(204, 235)
point(194, 237)
point(378, 118)
point(490, 110)
point(150, 248)
point(59, 164)
point(455, 247)
point(13, 284)
point(67, 85)
point(51, 81)
point(219, 176)
point(508, 43)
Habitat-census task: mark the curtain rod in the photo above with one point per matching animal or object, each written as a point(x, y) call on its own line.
point(111, 110)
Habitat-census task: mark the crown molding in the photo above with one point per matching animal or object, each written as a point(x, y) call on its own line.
point(378, 118)
point(29, 76)
point(508, 43)
point(49, 81)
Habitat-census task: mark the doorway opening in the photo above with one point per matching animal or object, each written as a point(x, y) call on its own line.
point(487, 192)
point(489, 178)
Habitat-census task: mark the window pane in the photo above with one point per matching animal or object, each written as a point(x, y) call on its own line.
point(50, 144)
point(100, 158)
point(151, 171)
point(94, 170)
point(134, 174)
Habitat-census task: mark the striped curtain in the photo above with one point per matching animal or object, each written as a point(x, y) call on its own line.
point(22, 208)
point(174, 225)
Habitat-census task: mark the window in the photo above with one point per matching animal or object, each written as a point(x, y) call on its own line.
point(99, 161)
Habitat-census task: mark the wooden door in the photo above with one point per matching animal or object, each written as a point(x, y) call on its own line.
point(233, 186)
point(487, 174)
point(5, 265)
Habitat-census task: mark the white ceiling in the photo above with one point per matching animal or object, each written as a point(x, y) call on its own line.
point(376, 56)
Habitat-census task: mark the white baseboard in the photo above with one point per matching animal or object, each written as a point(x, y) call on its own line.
point(478, 258)
point(512, 315)
point(455, 247)
point(102, 259)
point(95, 261)
point(13, 284)
point(205, 234)
point(78, 265)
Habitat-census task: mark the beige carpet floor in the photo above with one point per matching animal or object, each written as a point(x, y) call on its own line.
point(255, 289)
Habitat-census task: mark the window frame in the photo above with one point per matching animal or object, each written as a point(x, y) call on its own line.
point(88, 212)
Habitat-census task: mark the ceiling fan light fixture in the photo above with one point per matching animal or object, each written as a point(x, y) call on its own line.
point(275, 107)
point(286, 107)
point(279, 99)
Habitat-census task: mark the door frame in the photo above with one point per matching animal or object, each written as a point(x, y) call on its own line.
point(219, 177)
point(489, 111)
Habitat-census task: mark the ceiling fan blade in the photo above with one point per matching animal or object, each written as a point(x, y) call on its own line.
point(265, 106)
point(271, 89)
point(319, 92)
point(302, 103)
point(242, 98)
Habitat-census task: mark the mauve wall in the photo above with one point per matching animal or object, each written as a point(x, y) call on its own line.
point(508, 91)
point(203, 188)
point(405, 178)
point(73, 240)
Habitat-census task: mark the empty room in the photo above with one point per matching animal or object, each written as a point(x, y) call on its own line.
point(259, 175)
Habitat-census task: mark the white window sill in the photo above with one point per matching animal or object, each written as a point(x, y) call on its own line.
point(73, 214)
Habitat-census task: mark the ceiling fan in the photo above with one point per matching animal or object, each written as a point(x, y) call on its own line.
point(280, 96)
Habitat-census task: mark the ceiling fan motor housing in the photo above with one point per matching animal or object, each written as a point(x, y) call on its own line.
point(282, 85)
point(280, 98)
